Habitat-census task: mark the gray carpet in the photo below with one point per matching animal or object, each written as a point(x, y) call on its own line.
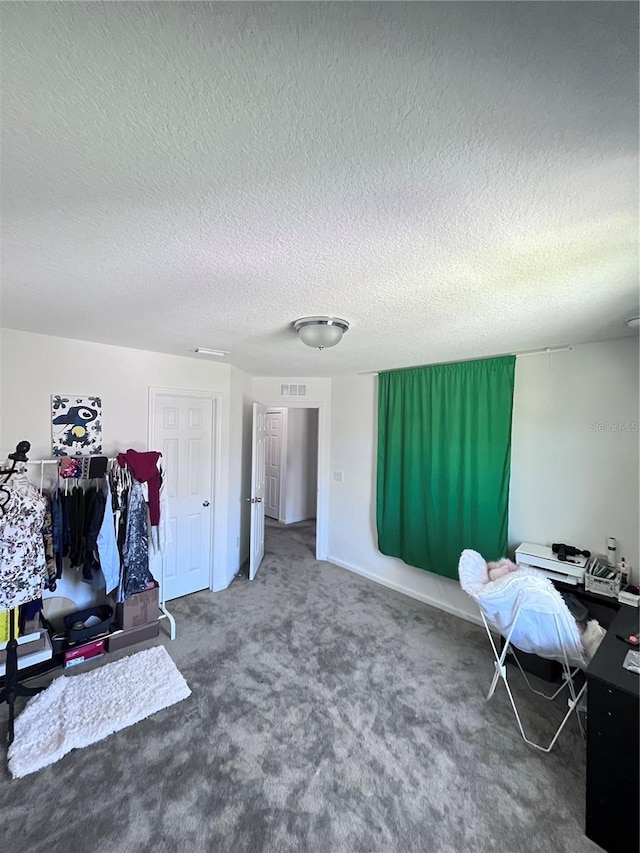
point(328, 714)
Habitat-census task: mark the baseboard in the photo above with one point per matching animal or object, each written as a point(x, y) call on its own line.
point(298, 520)
point(405, 590)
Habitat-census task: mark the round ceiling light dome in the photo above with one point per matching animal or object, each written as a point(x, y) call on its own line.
point(320, 332)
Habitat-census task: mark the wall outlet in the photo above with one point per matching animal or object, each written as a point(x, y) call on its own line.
point(338, 477)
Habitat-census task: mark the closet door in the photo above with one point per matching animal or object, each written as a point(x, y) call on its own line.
point(274, 457)
point(182, 430)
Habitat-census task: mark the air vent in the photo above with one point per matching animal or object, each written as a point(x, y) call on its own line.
point(292, 390)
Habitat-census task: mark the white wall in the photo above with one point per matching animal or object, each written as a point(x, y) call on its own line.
point(36, 366)
point(574, 461)
point(352, 518)
point(267, 390)
point(553, 412)
point(301, 466)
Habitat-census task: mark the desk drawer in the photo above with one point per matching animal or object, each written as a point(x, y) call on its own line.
point(613, 713)
point(612, 768)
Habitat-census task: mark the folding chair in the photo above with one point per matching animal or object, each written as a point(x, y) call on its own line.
point(529, 612)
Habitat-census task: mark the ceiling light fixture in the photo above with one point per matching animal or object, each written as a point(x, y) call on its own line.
point(320, 332)
point(633, 322)
point(204, 351)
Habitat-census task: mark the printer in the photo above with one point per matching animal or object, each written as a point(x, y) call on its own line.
point(542, 558)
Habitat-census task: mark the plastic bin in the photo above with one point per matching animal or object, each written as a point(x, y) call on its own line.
point(75, 623)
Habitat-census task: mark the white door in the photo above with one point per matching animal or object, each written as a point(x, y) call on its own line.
point(183, 432)
point(273, 462)
point(256, 546)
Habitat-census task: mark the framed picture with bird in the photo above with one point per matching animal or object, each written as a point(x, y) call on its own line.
point(76, 425)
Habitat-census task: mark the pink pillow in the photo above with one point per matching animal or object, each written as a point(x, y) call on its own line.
point(500, 568)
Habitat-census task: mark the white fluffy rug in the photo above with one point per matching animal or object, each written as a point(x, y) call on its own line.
point(76, 711)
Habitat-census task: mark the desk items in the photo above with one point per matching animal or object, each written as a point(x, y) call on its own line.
point(632, 662)
point(566, 551)
point(630, 595)
point(602, 578)
point(569, 570)
point(624, 571)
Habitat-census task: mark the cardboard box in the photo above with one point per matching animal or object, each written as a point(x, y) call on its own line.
point(139, 609)
point(32, 625)
point(123, 639)
point(85, 652)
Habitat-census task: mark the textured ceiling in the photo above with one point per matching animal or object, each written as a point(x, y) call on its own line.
point(454, 179)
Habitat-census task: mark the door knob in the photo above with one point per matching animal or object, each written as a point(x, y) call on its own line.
point(205, 503)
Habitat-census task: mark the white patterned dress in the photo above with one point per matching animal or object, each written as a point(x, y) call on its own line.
point(22, 557)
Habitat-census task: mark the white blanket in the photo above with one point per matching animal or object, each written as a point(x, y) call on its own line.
point(76, 711)
point(543, 625)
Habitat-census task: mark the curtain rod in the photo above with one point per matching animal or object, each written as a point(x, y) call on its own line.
point(545, 351)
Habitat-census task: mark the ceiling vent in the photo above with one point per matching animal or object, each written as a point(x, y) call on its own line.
point(291, 390)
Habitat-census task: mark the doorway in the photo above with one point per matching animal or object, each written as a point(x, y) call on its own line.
point(291, 465)
point(285, 483)
point(291, 471)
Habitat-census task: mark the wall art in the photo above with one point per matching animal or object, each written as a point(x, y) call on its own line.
point(76, 425)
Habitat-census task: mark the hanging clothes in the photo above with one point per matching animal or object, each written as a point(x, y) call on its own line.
point(76, 526)
point(94, 515)
point(65, 503)
point(57, 523)
point(69, 466)
point(22, 557)
point(144, 467)
point(135, 558)
point(108, 553)
point(47, 538)
point(163, 537)
point(122, 524)
point(94, 467)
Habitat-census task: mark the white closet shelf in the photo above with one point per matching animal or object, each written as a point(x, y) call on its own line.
point(42, 650)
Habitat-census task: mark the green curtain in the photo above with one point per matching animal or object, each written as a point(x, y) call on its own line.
point(444, 460)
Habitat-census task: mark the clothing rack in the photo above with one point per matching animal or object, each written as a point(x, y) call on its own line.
point(164, 613)
point(12, 687)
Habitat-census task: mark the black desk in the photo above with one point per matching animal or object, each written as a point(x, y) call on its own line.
point(601, 607)
point(612, 741)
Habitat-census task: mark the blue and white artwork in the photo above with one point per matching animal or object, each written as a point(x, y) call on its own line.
point(76, 425)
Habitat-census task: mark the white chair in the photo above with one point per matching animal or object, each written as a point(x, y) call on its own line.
point(529, 612)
